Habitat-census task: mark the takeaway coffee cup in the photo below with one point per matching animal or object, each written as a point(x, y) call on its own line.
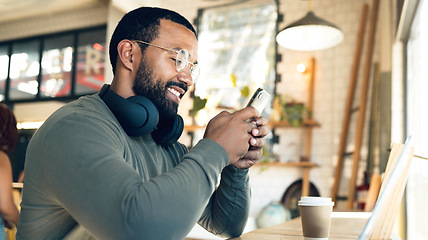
point(315, 214)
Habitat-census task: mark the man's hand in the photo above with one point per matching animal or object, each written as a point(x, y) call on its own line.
point(234, 132)
point(257, 142)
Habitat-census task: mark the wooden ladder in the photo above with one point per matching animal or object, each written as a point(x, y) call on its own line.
point(362, 107)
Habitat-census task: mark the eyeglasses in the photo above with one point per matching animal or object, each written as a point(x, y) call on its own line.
point(181, 61)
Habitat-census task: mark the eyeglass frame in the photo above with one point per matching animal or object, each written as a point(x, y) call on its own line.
point(194, 74)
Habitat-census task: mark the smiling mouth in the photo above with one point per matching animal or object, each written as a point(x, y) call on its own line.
point(175, 93)
point(176, 90)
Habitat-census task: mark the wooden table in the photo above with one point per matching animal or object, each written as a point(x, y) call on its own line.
point(343, 226)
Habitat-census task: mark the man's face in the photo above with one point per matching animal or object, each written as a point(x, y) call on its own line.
point(157, 77)
point(156, 90)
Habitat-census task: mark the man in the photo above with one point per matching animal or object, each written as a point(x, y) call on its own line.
point(93, 172)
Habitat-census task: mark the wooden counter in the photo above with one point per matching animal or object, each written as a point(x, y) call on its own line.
point(343, 226)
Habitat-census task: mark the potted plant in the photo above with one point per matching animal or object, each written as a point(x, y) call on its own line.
point(290, 110)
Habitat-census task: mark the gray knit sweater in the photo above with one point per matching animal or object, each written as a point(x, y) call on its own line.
point(85, 178)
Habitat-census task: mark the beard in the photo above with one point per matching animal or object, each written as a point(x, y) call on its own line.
point(156, 91)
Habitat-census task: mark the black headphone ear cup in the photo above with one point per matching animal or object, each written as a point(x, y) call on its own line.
point(169, 132)
point(143, 121)
point(137, 115)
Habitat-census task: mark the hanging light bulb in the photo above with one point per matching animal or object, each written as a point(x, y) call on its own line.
point(301, 68)
point(309, 34)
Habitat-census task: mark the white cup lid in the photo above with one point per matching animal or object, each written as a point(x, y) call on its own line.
point(315, 201)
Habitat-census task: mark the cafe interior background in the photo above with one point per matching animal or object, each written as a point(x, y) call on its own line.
point(52, 52)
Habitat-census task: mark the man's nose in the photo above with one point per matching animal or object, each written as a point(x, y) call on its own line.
point(186, 77)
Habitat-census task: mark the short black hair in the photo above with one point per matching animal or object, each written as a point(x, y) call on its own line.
point(142, 24)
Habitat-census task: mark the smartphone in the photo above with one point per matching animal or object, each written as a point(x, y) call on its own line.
point(259, 100)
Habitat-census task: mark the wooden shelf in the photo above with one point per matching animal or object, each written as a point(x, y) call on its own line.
point(288, 164)
point(284, 124)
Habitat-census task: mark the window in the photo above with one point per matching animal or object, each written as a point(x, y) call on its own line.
point(24, 70)
point(48, 67)
point(57, 62)
point(90, 61)
point(237, 53)
point(417, 119)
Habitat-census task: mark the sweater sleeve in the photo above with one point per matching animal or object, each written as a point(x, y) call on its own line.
point(227, 212)
point(77, 170)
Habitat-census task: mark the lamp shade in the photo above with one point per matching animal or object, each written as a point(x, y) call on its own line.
point(309, 34)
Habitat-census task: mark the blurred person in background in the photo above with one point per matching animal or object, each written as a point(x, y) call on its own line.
point(9, 213)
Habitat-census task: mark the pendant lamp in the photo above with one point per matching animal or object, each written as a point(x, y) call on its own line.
point(309, 34)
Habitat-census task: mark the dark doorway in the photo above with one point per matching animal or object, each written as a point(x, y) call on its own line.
point(292, 196)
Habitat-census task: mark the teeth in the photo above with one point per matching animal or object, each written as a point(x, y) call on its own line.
point(175, 92)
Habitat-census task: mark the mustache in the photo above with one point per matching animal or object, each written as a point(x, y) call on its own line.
point(177, 84)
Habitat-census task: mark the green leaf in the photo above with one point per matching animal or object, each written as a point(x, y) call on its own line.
point(245, 91)
point(198, 104)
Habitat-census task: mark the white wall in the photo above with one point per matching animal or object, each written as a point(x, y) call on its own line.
point(332, 78)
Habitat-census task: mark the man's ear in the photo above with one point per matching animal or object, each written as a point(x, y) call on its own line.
point(125, 54)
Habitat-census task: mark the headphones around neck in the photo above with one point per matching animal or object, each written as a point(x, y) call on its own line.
point(138, 116)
